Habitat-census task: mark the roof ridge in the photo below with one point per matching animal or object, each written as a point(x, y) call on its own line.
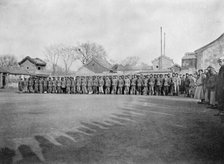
point(209, 43)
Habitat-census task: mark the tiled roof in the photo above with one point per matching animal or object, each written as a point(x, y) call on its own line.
point(36, 61)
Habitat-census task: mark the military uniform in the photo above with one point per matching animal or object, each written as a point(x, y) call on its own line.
point(151, 85)
point(145, 84)
point(68, 85)
point(78, 85)
point(58, 85)
point(95, 85)
point(101, 85)
point(36, 85)
point(63, 85)
point(220, 88)
point(49, 85)
point(72, 85)
point(90, 85)
point(139, 86)
point(114, 86)
point(84, 90)
point(166, 84)
point(120, 86)
point(108, 85)
point(30, 85)
point(127, 84)
point(133, 86)
point(25, 86)
point(40, 84)
point(45, 85)
point(158, 85)
point(54, 86)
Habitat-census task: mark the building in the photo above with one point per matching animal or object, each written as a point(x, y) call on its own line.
point(94, 66)
point(162, 62)
point(208, 54)
point(189, 62)
point(32, 64)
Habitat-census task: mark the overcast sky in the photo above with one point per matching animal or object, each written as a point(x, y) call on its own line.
point(123, 27)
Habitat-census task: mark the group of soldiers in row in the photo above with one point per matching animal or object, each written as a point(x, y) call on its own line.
point(158, 84)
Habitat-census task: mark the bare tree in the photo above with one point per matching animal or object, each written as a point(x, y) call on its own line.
point(52, 54)
point(69, 56)
point(8, 61)
point(88, 50)
point(130, 61)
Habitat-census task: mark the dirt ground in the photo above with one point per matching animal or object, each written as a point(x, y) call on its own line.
point(108, 129)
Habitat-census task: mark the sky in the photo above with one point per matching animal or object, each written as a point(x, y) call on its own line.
point(123, 27)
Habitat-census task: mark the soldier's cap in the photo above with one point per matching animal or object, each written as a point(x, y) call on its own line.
point(221, 59)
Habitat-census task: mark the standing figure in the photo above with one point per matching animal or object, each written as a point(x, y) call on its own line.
point(36, 84)
point(199, 92)
point(108, 85)
point(49, 85)
point(158, 85)
point(78, 85)
point(72, 85)
point(84, 90)
point(151, 85)
point(166, 84)
point(95, 85)
point(90, 85)
point(58, 85)
point(101, 85)
point(68, 85)
point(114, 85)
point(139, 85)
point(54, 85)
point(45, 85)
point(120, 85)
point(63, 85)
point(30, 85)
point(220, 87)
point(25, 85)
point(127, 84)
point(40, 85)
point(133, 85)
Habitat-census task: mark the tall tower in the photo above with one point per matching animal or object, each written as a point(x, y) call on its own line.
point(161, 42)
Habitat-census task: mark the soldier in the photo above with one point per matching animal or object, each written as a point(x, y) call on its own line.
point(220, 87)
point(120, 85)
point(187, 84)
point(36, 85)
point(95, 85)
point(72, 85)
point(166, 84)
point(49, 85)
point(45, 85)
point(158, 83)
point(101, 85)
point(54, 85)
point(139, 85)
point(25, 85)
point(133, 85)
point(40, 85)
point(114, 85)
point(68, 85)
point(63, 85)
point(90, 85)
point(211, 87)
point(108, 85)
point(58, 85)
point(127, 84)
point(20, 85)
point(84, 83)
point(30, 85)
point(151, 84)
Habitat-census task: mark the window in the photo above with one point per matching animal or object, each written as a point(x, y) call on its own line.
point(157, 66)
point(27, 67)
point(38, 68)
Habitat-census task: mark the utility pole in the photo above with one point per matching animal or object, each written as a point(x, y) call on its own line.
point(164, 44)
point(161, 42)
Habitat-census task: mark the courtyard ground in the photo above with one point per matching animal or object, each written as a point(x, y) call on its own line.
point(107, 129)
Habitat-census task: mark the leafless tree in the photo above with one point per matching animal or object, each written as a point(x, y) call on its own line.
point(52, 54)
point(88, 50)
point(8, 61)
point(130, 61)
point(69, 56)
